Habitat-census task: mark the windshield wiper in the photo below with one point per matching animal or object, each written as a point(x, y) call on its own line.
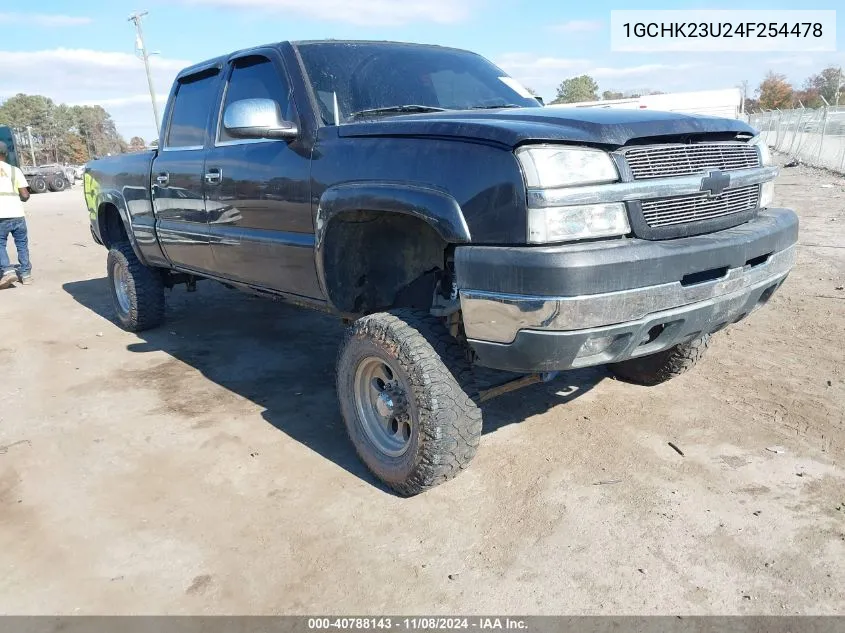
point(495, 107)
point(396, 109)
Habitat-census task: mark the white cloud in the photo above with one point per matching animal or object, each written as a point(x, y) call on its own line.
point(544, 74)
point(808, 63)
point(636, 71)
point(360, 12)
point(119, 102)
point(44, 20)
point(578, 26)
point(527, 61)
point(87, 77)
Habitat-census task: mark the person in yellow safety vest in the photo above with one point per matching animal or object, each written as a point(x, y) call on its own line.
point(14, 191)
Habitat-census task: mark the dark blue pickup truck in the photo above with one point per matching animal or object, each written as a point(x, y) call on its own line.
point(425, 196)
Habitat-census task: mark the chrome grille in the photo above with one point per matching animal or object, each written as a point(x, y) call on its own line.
point(658, 161)
point(697, 207)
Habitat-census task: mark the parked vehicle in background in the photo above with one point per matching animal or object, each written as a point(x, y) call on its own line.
point(48, 178)
point(721, 103)
point(7, 137)
point(43, 178)
point(426, 197)
point(67, 170)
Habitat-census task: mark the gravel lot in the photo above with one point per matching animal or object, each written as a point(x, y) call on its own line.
point(203, 467)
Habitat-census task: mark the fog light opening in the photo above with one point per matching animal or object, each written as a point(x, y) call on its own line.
point(595, 346)
point(767, 294)
point(653, 333)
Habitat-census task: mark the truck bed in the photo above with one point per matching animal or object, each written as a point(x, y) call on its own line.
point(129, 176)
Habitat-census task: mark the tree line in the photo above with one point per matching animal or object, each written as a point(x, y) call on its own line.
point(61, 133)
point(776, 92)
point(585, 88)
point(773, 92)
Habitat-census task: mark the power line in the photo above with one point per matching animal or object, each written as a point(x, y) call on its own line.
point(136, 18)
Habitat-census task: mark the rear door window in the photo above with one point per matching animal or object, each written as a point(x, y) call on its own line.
point(195, 97)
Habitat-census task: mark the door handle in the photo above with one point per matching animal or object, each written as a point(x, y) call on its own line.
point(163, 178)
point(213, 176)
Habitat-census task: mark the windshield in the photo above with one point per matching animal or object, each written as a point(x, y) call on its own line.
point(368, 80)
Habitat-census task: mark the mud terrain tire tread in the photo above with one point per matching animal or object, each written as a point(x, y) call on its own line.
point(448, 422)
point(658, 368)
point(146, 290)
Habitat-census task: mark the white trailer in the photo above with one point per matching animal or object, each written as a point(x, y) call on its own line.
point(725, 103)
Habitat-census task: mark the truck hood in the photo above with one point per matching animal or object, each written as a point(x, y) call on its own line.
point(511, 127)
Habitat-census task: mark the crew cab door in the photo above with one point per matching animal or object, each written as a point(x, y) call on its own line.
point(258, 190)
point(177, 173)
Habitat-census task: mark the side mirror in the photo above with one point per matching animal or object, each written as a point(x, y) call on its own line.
point(540, 100)
point(257, 118)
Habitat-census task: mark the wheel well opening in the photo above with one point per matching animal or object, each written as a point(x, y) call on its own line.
point(112, 229)
point(374, 261)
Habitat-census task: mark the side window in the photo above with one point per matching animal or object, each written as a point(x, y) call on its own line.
point(255, 77)
point(195, 97)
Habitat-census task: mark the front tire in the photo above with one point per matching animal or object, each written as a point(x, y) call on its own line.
point(137, 290)
point(405, 389)
point(658, 368)
point(38, 184)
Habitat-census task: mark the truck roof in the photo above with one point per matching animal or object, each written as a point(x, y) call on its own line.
point(220, 60)
point(389, 42)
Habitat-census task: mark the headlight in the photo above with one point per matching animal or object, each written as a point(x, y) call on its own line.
point(548, 166)
point(562, 224)
point(763, 148)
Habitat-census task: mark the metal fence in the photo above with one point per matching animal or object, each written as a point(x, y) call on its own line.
point(814, 136)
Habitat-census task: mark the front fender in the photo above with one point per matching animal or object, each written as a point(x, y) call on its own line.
point(434, 207)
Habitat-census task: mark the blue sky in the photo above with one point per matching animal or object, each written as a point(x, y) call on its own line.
point(81, 51)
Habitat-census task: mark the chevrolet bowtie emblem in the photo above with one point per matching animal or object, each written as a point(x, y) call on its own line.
point(715, 183)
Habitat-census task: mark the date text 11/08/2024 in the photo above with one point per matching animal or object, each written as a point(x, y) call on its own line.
point(417, 623)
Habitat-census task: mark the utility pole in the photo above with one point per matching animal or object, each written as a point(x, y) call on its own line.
point(744, 86)
point(838, 86)
point(31, 146)
point(87, 144)
point(139, 43)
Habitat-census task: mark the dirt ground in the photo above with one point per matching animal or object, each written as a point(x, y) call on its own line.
point(203, 467)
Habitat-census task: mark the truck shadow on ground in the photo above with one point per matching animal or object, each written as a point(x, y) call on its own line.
point(282, 359)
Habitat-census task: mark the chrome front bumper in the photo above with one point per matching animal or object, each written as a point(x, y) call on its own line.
point(530, 334)
point(497, 317)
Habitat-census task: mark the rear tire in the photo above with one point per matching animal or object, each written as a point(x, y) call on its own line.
point(137, 290)
point(38, 185)
point(658, 368)
point(405, 388)
point(58, 183)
